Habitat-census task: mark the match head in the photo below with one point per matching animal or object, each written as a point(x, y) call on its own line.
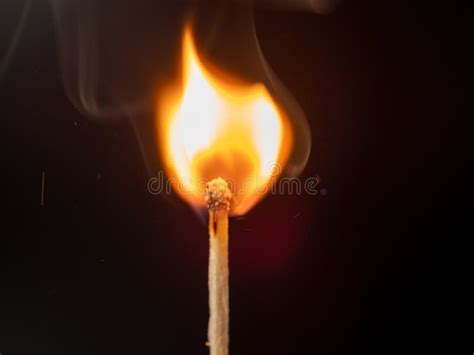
point(218, 195)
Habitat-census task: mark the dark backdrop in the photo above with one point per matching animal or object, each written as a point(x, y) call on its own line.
point(373, 267)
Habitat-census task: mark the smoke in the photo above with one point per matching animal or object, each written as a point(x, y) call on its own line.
point(226, 34)
point(110, 52)
point(117, 55)
point(99, 42)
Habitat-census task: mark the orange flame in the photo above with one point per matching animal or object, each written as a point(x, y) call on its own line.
point(213, 125)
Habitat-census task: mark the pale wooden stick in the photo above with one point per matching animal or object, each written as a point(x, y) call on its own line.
point(218, 200)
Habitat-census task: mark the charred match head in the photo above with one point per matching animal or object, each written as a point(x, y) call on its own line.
point(218, 195)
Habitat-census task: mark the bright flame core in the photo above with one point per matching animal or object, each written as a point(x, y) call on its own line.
point(213, 125)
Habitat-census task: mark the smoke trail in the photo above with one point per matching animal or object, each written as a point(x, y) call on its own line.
point(116, 56)
point(78, 36)
point(228, 37)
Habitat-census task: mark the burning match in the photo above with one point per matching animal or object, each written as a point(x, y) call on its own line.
point(139, 135)
point(217, 135)
point(218, 198)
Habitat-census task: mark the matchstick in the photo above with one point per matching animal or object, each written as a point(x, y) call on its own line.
point(218, 198)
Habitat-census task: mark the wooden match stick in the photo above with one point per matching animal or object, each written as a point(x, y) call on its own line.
point(218, 198)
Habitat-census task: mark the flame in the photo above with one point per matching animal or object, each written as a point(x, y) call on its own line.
point(213, 125)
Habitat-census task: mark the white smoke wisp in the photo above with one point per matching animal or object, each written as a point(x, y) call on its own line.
point(96, 38)
point(79, 40)
point(230, 39)
point(116, 55)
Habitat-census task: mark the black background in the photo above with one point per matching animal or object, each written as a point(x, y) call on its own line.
point(375, 266)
